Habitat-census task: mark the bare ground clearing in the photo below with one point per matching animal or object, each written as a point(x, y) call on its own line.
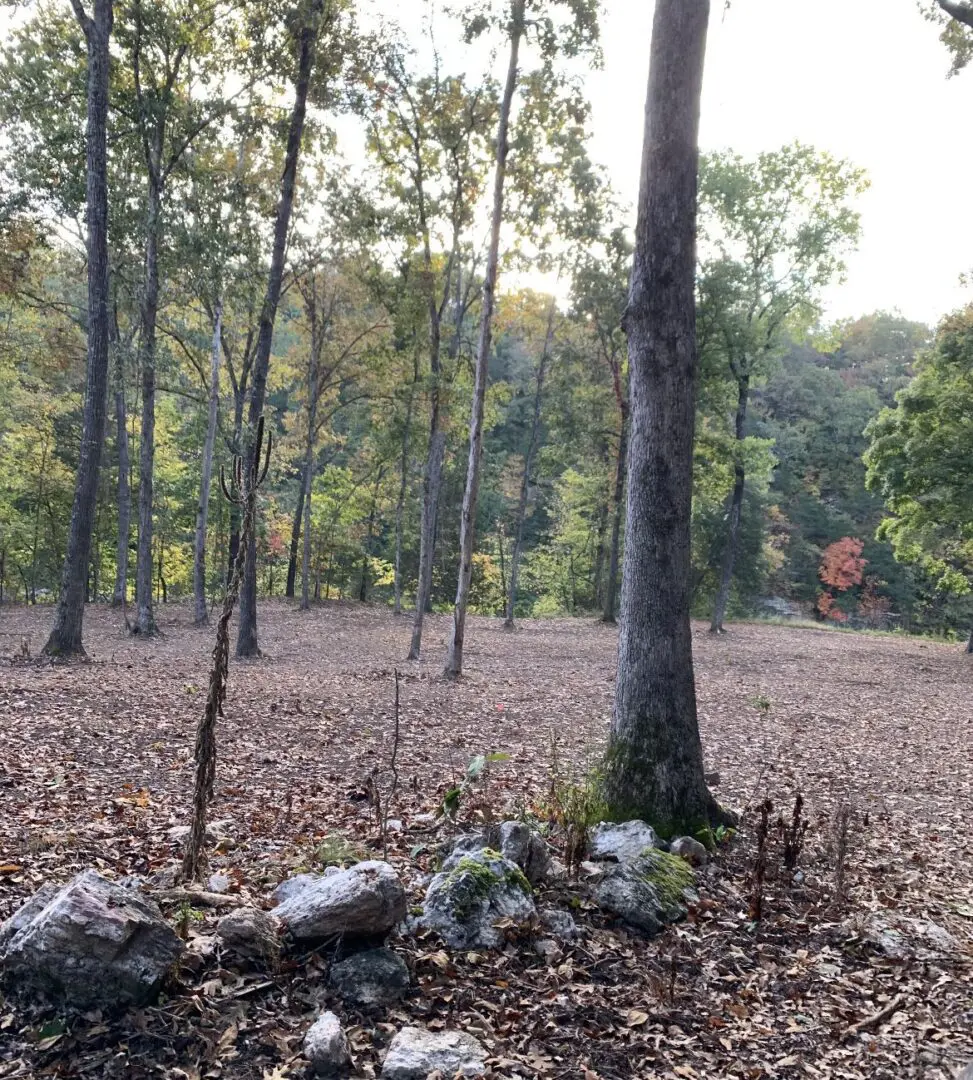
point(95, 767)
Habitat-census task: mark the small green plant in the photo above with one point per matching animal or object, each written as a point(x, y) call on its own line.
point(476, 779)
point(723, 834)
point(186, 915)
point(574, 805)
point(761, 704)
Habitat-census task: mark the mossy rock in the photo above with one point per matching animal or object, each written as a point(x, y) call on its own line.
point(482, 888)
point(648, 892)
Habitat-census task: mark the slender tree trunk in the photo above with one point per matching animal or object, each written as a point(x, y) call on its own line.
point(306, 554)
point(454, 658)
point(403, 487)
point(535, 427)
point(736, 506)
point(233, 545)
point(611, 589)
point(597, 583)
point(295, 542)
point(969, 642)
point(246, 644)
point(120, 594)
point(65, 637)
point(654, 762)
point(150, 309)
point(202, 511)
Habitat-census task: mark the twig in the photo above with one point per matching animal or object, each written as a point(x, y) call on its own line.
point(393, 768)
point(875, 1019)
point(199, 897)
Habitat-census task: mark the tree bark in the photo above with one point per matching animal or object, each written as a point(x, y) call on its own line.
point(201, 614)
point(295, 543)
point(120, 594)
point(454, 658)
point(611, 588)
point(65, 637)
point(403, 486)
point(246, 644)
point(306, 554)
point(654, 761)
point(149, 317)
point(735, 508)
point(535, 425)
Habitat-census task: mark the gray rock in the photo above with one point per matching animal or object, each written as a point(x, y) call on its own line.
point(690, 849)
point(414, 1053)
point(251, 934)
point(622, 842)
point(560, 924)
point(520, 844)
point(648, 892)
point(966, 1074)
point(367, 899)
point(480, 888)
point(293, 885)
point(92, 943)
point(326, 1046)
point(215, 831)
point(200, 953)
point(547, 949)
point(27, 913)
point(375, 977)
point(219, 883)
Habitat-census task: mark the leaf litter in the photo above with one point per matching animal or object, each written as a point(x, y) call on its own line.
point(872, 983)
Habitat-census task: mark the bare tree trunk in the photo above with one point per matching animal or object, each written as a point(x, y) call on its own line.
point(202, 511)
point(246, 643)
point(535, 426)
point(150, 309)
point(454, 658)
point(735, 508)
point(65, 637)
point(295, 542)
point(654, 763)
point(611, 589)
point(306, 554)
point(120, 594)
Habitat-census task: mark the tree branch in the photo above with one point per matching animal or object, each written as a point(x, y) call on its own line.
point(960, 10)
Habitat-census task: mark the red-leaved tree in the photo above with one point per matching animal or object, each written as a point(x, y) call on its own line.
point(842, 568)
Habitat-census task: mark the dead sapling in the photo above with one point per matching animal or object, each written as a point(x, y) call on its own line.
point(842, 824)
point(382, 784)
point(792, 833)
point(243, 492)
point(759, 871)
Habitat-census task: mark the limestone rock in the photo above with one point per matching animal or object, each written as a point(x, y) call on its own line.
point(251, 934)
point(414, 1053)
point(374, 977)
point(560, 924)
point(367, 899)
point(293, 885)
point(515, 840)
point(690, 849)
point(478, 890)
point(91, 944)
point(27, 913)
point(622, 842)
point(326, 1046)
point(648, 892)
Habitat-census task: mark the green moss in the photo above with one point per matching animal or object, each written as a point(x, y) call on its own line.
point(473, 877)
point(668, 875)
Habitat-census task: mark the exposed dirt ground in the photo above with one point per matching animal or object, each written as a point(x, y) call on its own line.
point(95, 767)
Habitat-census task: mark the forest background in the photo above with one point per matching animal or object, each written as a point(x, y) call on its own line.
point(378, 326)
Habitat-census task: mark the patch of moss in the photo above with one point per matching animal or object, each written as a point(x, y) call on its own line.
point(472, 878)
point(668, 875)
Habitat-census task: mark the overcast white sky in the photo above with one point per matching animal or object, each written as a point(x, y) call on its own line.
point(864, 79)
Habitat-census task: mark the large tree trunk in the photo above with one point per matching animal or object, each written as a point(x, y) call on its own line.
point(654, 762)
point(201, 614)
point(535, 426)
point(611, 589)
point(454, 658)
point(65, 637)
point(246, 644)
point(149, 316)
point(736, 506)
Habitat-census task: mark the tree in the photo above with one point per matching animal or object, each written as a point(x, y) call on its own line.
point(654, 761)
point(842, 568)
point(65, 637)
point(773, 233)
point(309, 30)
point(918, 461)
point(956, 17)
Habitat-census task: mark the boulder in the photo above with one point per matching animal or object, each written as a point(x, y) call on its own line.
point(648, 892)
point(690, 849)
point(374, 977)
point(622, 842)
point(91, 943)
point(559, 924)
point(478, 890)
point(515, 841)
point(251, 933)
point(367, 900)
point(326, 1046)
point(293, 885)
point(414, 1053)
point(26, 914)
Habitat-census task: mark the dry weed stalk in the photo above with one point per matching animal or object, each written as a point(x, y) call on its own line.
point(244, 493)
point(793, 833)
point(765, 809)
point(841, 831)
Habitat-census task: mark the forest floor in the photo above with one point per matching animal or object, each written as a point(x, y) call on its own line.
point(95, 767)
